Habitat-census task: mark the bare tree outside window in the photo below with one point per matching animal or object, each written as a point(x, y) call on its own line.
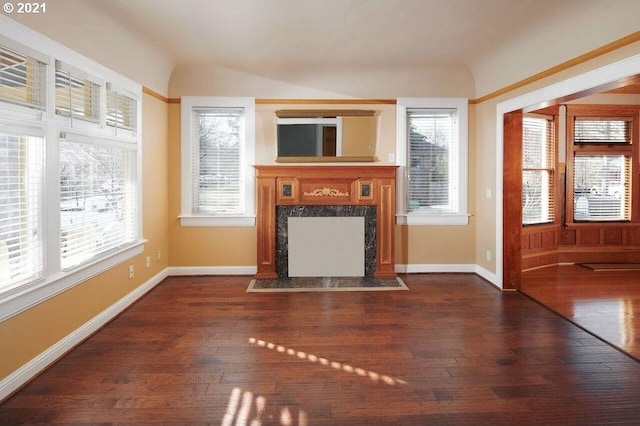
point(219, 185)
point(432, 142)
point(96, 211)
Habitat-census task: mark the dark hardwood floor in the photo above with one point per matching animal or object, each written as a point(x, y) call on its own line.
point(451, 350)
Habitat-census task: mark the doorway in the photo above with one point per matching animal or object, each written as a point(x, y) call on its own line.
point(508, 177)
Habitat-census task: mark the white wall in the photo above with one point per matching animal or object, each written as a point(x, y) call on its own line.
point(580, 26)
point(81, 27)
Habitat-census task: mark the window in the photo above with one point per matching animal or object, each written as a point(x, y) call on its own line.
point(432, 152)
point(538, 164)
point(22, 78)
point(601, 187)
point(21, 195)
point(598, 131)
point(121, 110)
point(69, 170)
point(97, 203)
point(217, 161)
point(76, 96)
point(603, 151)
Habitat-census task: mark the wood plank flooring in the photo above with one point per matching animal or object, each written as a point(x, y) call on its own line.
point(606, 303)
point(451, 350)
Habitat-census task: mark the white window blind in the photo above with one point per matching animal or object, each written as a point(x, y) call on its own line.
point(21, 187)
point(602, 189)
point(598, 131)
point(217, 178)
point(121, 110)
point(538, 162)
point(22, 79)
point(432, 164)
point(76, 96)
point(69, 199)
point(97, 199)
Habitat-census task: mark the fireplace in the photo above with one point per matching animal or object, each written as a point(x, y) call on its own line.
point(325, 191)
point(283, 213)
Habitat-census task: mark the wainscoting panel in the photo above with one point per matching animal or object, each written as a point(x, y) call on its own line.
point(578, 243)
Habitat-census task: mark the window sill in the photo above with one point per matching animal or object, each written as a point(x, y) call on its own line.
point(25, 297)
point(217, 221)
point(600, 223)
point(447, 220)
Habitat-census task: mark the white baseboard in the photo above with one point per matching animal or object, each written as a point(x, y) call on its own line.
point(38, 364)
point(212, 270)
point(489, 276)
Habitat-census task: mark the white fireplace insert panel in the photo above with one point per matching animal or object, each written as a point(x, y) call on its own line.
point(326, 246)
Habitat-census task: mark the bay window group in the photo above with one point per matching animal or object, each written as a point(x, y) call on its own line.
point(69, 174)
point(600, 180)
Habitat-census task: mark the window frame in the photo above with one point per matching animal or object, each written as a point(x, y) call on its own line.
point(36, 56)
point(632, 150)
point(33, 222)
point(92, 95)
point(552, 139)
point(247, 160)
point(403, 217)
point(80, 142)
point(117, 94)
point(55, 280)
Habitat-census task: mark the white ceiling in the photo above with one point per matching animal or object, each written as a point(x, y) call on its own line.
point(496, 42)
point(343, 34)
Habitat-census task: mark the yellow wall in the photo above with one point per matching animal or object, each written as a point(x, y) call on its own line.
point(210, 246)
point(30, 333)
point(214, 247)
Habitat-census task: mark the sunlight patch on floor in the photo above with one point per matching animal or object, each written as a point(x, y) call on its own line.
point(240, 408)
point(323, 361)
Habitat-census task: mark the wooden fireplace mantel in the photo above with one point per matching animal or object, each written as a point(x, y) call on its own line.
point(326, 185)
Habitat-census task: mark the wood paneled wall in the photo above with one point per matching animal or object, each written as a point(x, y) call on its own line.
point(579, 243)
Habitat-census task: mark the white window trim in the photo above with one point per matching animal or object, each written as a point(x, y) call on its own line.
point(55, 281)
point(187, 218)
point(404, 218)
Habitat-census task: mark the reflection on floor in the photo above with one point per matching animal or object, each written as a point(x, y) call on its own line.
point(366, 283)
point(605, 303)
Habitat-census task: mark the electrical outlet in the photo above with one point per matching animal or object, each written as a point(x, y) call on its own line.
point(130, 271)
point(392, 157)
point(148, 261)
point(488, 255)
point(158, 256)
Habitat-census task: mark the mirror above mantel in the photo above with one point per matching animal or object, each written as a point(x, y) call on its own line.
point(326, 135)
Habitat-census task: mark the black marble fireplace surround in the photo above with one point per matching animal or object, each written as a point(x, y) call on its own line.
point(282, 231)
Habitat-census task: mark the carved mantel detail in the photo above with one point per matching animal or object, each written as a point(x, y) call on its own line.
point(326, 192)
point(325, 185)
